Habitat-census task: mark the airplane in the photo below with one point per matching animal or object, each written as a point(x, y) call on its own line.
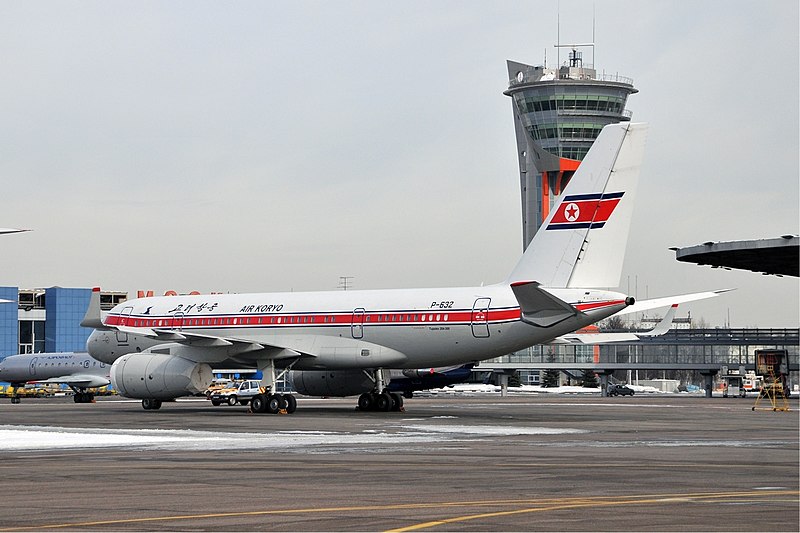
point(11, 230)
point(406, 381)
point(78, 370)
point(353, 337)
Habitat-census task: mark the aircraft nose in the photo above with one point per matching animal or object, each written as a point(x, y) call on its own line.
point(99, 346)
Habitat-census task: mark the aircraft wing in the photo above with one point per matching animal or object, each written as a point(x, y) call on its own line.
point(193, 339)
point(12, 230)
point(76, 380)
point(646, 305)
point(212, 349)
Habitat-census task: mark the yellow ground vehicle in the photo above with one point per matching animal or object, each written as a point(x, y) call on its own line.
point(217, 385)
point(241, 392)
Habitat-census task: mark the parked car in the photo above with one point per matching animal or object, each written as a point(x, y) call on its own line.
point(218, 384)
point(241, 393)
point(619, 390)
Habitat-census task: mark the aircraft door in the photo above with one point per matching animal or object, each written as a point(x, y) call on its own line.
point(480, 318)
point(32, 366)
point(357, 324)
point(124, 319)
point(177, 321)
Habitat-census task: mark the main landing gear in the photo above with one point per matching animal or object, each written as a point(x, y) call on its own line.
point(273, 403)
point(83, 397)
point(14, 394)
point(385, 401)
point(269, 401)
point(151, 404)
point(380, 399)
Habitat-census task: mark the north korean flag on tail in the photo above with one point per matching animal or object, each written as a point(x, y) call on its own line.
point(581, 211)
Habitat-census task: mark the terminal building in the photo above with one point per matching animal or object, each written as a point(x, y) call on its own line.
point(47, 320)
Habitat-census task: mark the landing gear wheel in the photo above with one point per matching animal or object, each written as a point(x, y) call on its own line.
point(151, 404)
point(383, 402)
point(273, 404)
point(83, 397)
point(365, 402)
point(232, 400)
point(15, 399)
point(259, 403)
point(291, 403)
point(282, 403)
point(397, 402)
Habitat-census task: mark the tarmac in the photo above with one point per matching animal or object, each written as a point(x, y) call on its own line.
point(448, 463)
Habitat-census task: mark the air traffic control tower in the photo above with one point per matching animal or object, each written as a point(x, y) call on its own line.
point(558, 113)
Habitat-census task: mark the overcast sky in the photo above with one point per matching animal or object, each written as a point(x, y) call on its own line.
point(270, 146)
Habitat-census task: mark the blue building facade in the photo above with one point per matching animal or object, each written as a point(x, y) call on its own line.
point(65, 309)
point(43, 320)
point(9, 330)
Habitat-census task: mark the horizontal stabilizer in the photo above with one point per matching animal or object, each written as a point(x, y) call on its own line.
point(540, 308)
point(594, 338)
point(655, 303)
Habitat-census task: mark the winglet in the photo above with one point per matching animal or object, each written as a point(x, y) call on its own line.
point(93, 317)
point(663, 326)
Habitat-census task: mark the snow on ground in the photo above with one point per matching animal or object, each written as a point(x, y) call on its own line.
point(18, 438)
point(478, 388)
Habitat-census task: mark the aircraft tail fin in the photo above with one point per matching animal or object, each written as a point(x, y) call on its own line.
point(581, 244)
point(93, 317)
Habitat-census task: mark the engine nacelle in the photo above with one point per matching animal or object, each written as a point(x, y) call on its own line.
point(331, 382)
point(158, 375)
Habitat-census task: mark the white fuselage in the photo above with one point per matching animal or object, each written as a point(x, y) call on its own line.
point(27, 368)
point(402, 328)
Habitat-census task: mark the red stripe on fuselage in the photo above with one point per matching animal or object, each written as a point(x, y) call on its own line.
point(598, 305)
point(416, 318)
point(323, 319)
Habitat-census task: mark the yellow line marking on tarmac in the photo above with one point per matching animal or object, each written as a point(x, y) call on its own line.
point(599, 502)
point(549, 504)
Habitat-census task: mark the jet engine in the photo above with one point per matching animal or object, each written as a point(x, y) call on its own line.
point(159, 376)
point(331, 382)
